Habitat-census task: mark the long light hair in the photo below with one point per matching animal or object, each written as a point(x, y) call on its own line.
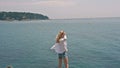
point(59, 36)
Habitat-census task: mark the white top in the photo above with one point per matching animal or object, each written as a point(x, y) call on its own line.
point(61, 46)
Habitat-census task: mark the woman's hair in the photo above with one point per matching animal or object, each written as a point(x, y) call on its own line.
point(9, 66)
point(59, 36)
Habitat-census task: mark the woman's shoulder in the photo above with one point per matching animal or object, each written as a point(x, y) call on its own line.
point(65, 37)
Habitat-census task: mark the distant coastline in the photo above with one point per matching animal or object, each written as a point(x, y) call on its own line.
point(27, 16)
point(20, 16)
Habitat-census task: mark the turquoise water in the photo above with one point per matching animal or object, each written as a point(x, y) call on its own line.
point(92, 43)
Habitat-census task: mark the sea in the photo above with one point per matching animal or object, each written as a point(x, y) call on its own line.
point(92, 43)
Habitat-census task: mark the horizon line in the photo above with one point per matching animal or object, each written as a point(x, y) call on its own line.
point(84, 18)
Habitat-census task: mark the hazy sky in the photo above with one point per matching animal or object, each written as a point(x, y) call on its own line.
point(59, 9)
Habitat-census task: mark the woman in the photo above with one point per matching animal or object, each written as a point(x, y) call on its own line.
point(61, 48)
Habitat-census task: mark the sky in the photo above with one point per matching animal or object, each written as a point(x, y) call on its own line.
point(64, 9)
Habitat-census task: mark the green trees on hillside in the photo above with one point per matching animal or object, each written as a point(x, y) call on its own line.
point(21, 16)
